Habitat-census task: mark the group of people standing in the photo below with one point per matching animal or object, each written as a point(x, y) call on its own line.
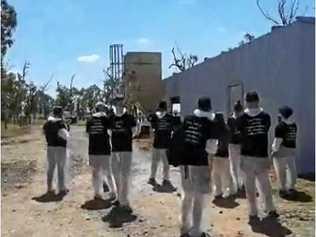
point(213, 155)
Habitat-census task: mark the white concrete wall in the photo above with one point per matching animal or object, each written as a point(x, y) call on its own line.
point(279, 65)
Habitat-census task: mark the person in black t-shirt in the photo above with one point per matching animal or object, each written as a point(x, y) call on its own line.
point(234, 146)
point(162, 124)
point(56, 133)
point(223, 182)
point(122, 128)
point(200, 132)
point(100, 150)
point(254, 125)
point(283, 152)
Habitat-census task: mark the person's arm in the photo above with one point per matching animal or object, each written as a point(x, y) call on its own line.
point(153, 122)
point(63, 132)
point(132, 125)
point(88, 126)
point(44, 128)
point(212, 138)
point(278, 138)
point(268, 123)
point(176, 122)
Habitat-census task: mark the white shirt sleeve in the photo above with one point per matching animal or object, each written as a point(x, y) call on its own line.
point(211, 146)
point(63, 133)
point(276, 144)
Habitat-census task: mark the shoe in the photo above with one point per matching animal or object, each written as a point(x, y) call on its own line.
point(283, 194)
point(167, 183)
point(227, 195)
point(112, 196)
point(253, 220)
point(126, 208)
point(185, 235)
point(98, 197)
point(116, 203)
point(273, 214)
point(51, 192)
point(63, 192)
point(218, 196)
point(152, 181)
point(204, 234)
point(292, 191)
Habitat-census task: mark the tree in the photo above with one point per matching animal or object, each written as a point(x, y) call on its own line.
point(182, 61)
point(90, 96)
point(286, 12)
point(8, 25)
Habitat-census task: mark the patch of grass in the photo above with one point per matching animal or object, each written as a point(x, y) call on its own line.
point(13, 130)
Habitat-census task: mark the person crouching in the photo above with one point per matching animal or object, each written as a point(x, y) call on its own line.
point(99, 151)
point(199, 129)
point(122, 127)
point(55, 130)
point(254, 125)
point(222, 179)
point(283, 152)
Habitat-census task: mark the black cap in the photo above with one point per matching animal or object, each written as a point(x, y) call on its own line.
point(58, 111)
point(238, 106)
point(220, 117)
point(162, 105)
point(286, 111)
point(204, 103)
point(252, 96)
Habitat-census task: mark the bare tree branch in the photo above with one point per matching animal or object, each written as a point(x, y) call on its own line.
point(266, 15)
point(287, 11)
point(181, 61)
point(44, 87)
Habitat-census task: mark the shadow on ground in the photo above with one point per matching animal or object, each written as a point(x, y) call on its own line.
point(298, 196)
point(270, 227)
point(96, 204)
point(164, 188)
point(49, 197)
point(308, 176)
point(118, 216)
point(226, 202)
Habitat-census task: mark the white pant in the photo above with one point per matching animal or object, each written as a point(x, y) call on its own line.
point(121, 165)
point(234, 158)
point(101, 164)
point(159, 155)
point(195, 182)
point(256, 168)
point(285, 169)
point(56, 156)
point(223, 182)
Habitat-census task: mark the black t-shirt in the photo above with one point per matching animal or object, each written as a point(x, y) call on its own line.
point(51, 128)
point(197, 130)
point(254, 134)
point(288, 133)
point(163, 127)
point(234, 133)
point(122, 132)
point(97, 127)
point(222, 147)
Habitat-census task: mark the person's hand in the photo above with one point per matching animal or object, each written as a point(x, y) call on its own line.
point(273, 153)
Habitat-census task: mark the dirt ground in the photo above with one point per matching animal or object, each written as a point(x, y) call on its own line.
point(26, 212)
